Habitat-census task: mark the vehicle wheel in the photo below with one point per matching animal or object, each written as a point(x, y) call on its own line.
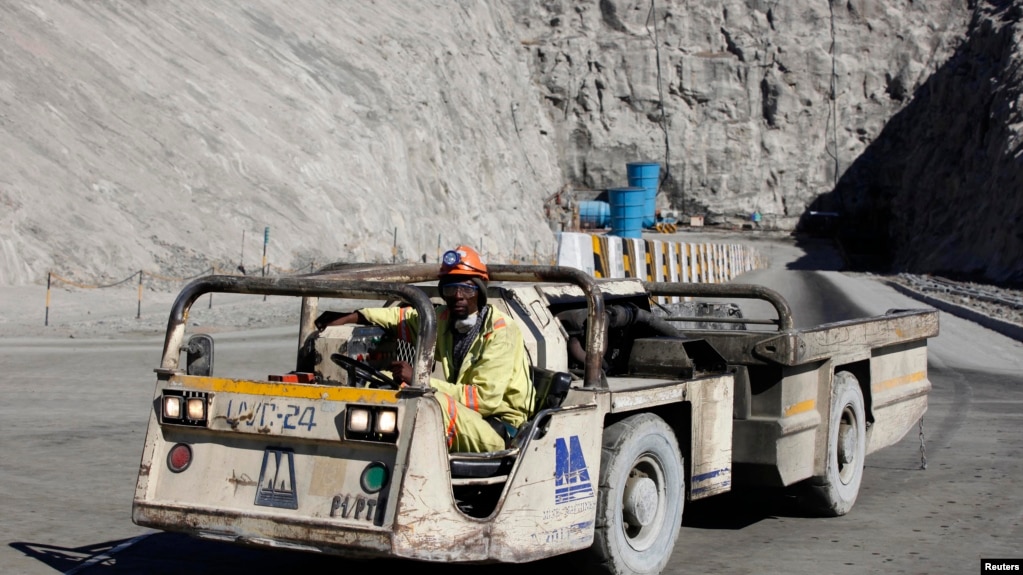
point(640, 499)
point(835, 493)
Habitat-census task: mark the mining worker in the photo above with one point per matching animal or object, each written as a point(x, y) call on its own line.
point(486, 393)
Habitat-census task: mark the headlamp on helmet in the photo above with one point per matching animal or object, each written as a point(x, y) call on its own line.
point(463, 261)
point(451, 258)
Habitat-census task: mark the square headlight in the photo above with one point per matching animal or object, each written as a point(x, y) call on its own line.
point(371, 423)
point(185, 407)
point(171, 407)
point(386, 421)
point(196, 407)
point(358, 419)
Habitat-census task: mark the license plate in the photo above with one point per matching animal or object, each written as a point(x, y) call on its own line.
point(275, 416)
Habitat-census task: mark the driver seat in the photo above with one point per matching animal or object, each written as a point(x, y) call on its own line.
point(493, 467)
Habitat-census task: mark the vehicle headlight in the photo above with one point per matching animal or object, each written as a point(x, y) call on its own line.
point(358, 419)
point(386, 421)
point(371, 423)
point(196, 408)
point(183, 407)
point(171, 407)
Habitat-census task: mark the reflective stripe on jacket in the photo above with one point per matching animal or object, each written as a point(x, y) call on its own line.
point(494, 376)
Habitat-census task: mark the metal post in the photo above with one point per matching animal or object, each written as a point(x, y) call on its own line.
point(266, 241)
point(138, 314)
point(46, 321)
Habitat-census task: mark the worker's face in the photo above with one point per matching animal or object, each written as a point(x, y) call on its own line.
point(462, 299)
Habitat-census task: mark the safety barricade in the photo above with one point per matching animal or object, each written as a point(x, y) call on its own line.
point(604, 256)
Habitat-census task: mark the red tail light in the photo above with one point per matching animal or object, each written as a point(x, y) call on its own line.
point(179, 458)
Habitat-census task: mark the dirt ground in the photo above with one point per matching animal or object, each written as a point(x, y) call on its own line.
point(124, 311)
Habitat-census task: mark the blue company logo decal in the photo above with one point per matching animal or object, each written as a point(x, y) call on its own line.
point(718, 478)
point(571, 478)
point(277, 480)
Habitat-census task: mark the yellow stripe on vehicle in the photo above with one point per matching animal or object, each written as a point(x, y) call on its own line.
point(223, 385)
point(801, 407)
point(897, 381)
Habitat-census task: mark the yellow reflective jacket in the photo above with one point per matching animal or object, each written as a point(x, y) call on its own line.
point(494, 379)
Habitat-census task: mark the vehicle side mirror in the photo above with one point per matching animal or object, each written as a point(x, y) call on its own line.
point(199, 355)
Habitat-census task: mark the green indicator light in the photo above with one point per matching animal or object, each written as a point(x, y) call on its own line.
point(374, 477)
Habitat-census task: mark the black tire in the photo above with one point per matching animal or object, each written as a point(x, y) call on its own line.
point(835, 493)
point(640, 498)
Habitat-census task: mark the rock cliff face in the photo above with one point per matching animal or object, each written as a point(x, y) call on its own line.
point(942, 185)
point(750, 105)
point(168, 137)
point(158, 136)
point(904, 118)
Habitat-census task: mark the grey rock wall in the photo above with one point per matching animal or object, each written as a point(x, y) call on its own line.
point(159, 136)
point(748, 105)
point(942, 185)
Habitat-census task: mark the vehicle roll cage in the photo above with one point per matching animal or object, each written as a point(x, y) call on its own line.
point(372, 281)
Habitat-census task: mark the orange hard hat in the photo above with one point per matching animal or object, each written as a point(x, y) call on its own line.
point(464, 261)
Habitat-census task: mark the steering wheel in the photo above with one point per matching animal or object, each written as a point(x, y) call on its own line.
point(364, 372)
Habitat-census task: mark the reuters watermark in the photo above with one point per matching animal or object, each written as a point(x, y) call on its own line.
point(1001, 566)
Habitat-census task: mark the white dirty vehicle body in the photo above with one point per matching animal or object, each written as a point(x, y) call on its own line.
point(324, 458)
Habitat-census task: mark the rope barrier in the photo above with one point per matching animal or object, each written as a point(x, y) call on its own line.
point(211, 270)
point(100, 286)
point(148, 276)
point(143, 276)
point(50, 277)
point(286, 271)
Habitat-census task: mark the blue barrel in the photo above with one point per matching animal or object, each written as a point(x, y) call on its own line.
point(646, 175)
point(594, 214)
point(627, 207)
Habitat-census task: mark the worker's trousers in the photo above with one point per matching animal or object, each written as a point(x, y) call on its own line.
point(467, 430)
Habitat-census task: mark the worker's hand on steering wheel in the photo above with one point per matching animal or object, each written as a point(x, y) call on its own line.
point(329, 318)
point(402, 372)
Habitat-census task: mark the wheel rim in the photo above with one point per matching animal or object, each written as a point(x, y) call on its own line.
point(644, 502)
point(846, 454)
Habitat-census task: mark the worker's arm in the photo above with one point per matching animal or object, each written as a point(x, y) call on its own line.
point(328, 318)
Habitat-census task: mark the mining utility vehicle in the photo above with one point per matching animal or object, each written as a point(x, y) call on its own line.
point(663, 407)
